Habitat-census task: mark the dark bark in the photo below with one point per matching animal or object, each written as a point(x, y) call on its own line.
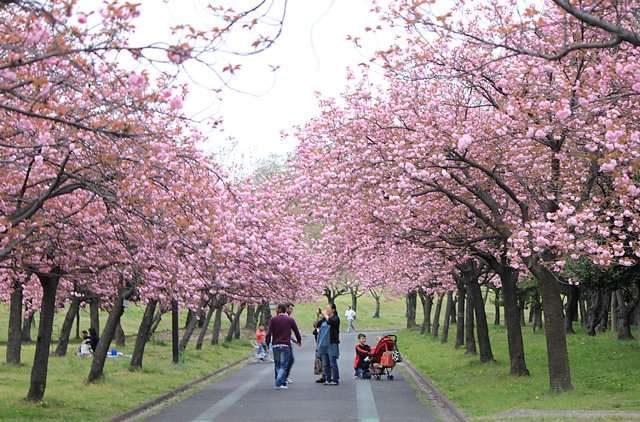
point(143, 334)
point(235, 323)
point(454, 319)
point(427, 305)
point(190, 315)
point(461, 315)
point(100, 352)
point(175, 349)
point(197, 315)
point(94, 313)
point(252, 319)
point(265, 314)
point(509, 279)
point(625, 309)
point(482, 329)
point(217, 322)
point(436, 318)
point(496, 308)
point(78, 326)
point(376, 296)
point(603, 313)
point(470, 337)
point(614, 314)
point(207, 320)
point(26, 327)
point(447, 317)
point(571, 308)
point(521, 306)
point(411, 309)
point(557, 353)
point(536, 309)
point(67, 326)
point(14, 340)
point(595, 302)
point(583, 312)
point(157, 319)
point(119, 336)
point(49, 282)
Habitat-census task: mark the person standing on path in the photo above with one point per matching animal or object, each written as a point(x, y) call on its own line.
point(279, 335)
point(289, 306)
point(329, 348)
point(351, 316)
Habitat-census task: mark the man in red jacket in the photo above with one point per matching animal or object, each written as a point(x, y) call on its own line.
point(279, 335)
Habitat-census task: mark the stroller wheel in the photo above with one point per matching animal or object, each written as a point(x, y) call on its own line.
point(390, 377)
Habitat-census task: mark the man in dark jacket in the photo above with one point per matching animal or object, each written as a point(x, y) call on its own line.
point(280, 328)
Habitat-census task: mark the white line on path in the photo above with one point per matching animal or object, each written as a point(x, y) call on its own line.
point(367, 411)
point(230, 399)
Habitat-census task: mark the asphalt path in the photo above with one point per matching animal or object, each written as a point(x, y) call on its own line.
point(249, 394)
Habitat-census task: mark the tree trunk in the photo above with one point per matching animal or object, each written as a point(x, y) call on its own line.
point(119, 336)
point(583, 313)
point(557, 354)
point(536, 308)
point(26, 327)
point(100, 352)
point(265, 315)
point(49, 283)
point(482, 329)
point(217, 322)
point(411, 310)
point(251, 322)
point(14, 341)
point(143, 334)
point(427, 305)
point(595, 303)
point(94, 312)
point(571, 308)
point(614, 314)
point(235, 323)
point(521, 306)
point(509, 279)
point(376, 314)
point(625, 308)
point(454, 319)
point(461, 314)
point(157, 319)
point(603, 312)
point(447, 317)
point(470, 337)
point(191, 326)
point(436, 318)
point(78, 326)
point(190, 315)
point(67, 326)
point(496, 307)
point(207, 320)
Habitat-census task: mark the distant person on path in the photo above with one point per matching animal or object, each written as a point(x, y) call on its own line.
point(279, 335)
point(329, 343)
point(351, 316)
point(291, 358)
point(260, 334)
point(363, 355)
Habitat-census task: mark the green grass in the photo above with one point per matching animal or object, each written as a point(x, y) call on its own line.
point(68, 398)
point(605, 373)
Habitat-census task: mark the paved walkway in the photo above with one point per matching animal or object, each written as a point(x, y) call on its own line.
point(248, 394)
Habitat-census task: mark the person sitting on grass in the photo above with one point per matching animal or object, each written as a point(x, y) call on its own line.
point(363, 356)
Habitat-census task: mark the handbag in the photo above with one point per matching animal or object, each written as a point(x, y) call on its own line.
point(318, 367)
point(387, 360)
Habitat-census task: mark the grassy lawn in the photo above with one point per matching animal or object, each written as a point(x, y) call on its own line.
point(68, 399)
point(605, 373)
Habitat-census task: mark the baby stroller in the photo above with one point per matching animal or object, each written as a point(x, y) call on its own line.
point(384, 357)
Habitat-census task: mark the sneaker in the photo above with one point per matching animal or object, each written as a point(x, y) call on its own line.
point(355, 377)
point(282, 387)
point(321, 381)
point(289, 381)
point(327, 383)
point(334, 383)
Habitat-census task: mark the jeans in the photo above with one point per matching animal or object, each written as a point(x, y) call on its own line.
point(291, 360)
point(262, 349)
point(350, 327)
point(280, 364)
point(361, 373)
point(330, 363)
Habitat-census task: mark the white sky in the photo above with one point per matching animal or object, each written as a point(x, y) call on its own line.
point(313, 54)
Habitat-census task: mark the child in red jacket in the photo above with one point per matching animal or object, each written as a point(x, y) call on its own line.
point(363, 356)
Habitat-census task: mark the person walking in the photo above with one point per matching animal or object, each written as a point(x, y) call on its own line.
point(279, 335)
point(289, 306)
point(329, 343)
point(350, 314)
